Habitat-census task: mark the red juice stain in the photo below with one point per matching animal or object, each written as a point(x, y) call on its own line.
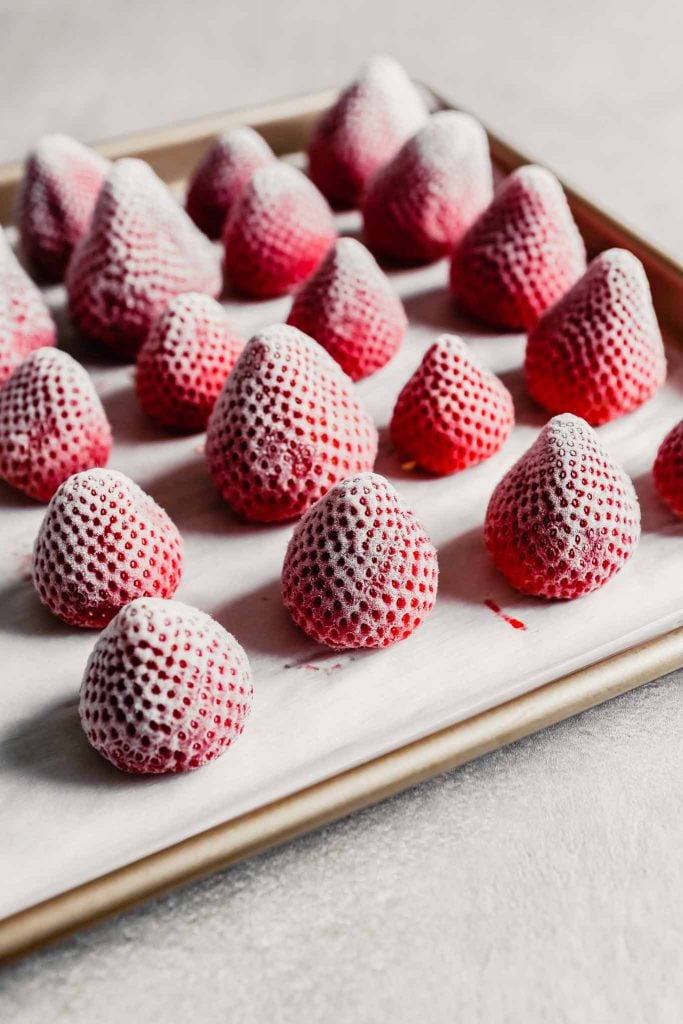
point(497, 610)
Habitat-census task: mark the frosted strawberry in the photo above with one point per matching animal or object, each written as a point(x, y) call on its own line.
point(285, 428)
point(360, 570)
point(57, 195)
point(221, 176)
point(140, 251)
point(453, 412)
point(102, 543)
point(52, 424)
point(25, 321)
point(668, 470)
point(420, 204)
point(350, 308)
point(521, 255)
point(278, 232)
point(565, 518)
point(598, 352)
point(184, 361)
point(363, 129)
point(166, 689)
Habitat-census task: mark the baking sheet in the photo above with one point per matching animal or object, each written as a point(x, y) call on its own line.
point(66, 816)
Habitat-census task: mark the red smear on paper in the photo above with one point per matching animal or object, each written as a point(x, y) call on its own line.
point(497, 610)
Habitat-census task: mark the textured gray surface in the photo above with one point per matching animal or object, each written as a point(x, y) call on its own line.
point(543, 882)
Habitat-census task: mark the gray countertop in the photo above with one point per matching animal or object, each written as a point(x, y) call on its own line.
point(541, 883)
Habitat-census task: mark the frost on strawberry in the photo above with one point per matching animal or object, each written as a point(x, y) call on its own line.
point(350, 308)
point(102, 543)
point(452, 413)
point(25, 321)
point(286, 427)
point(418, 206)
point(166, 689)
point(598, 352)
point(363, 129)
point(278, 232)
point(565, 518)
point(52, 424)
point(140, 251)
point(221, 176)
point(359, 570)
point(185, 360)
point(61, 182)
point(521, 255)
point(668, 470)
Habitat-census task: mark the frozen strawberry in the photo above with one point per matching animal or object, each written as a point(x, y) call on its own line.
point(420, 204)
point(183, 364)
point(221, 176)
point(278, 232)
point(360, 570)
point(350, 308)
point(166, 689)
point(61, 182)
point(565, 518)
point(102, 543)
point(286, 427)
point(25, 321)
point(364, 129)
point(521, 255)
point(668, 470)
point(52, 424)
point(453, 412)
point(598, 352)
point(140, 251)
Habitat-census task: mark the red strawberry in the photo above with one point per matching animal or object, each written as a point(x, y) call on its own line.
point(52, 424)
point(25, 321)
point(278, 232)
point(452, 413)
point(419, 205)
point(565, 518)
point(285, 428)
point(668, 470)
point(598, 352)
point(363, 130)
point(350, 309)
point(166, 689)
point(61, 182)
point(221, 176)
point(183, 364)
point(102, 543)
point(140, 251)
point(521, 255)
point(359, 570)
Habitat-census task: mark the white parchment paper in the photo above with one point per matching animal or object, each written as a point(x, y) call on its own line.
point(66, 816)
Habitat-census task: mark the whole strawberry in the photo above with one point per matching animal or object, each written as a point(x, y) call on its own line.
point(222, 174)
point(521, 255)
point(140, 251)
point(285, 428)
point(453, 412)
point(52, 424)
point(102, 543)
point(598, 352)
point(184, 361)
point(350, 308)
point(363, 129)
point(565, 518)
point(278, 232)
point(57, 195)
point(166, 689)
point(359, 570)
point(418, 206)
point(668, 470)
point(25, 321)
